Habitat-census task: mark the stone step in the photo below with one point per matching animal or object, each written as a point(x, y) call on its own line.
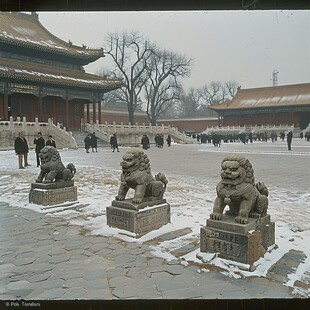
point(170, 235)
point(187, 248)
point(80, 136)
point(286, 265)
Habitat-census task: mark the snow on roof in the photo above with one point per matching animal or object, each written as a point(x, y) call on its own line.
point(276, 96)
point(52, 75)
point(25, 30)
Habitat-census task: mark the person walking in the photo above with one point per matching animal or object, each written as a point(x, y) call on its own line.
point(87, 143)
point(157, 138)
point(50, 142)
point(161, 140)
point(40, 143)
point(145, 141)
point(21, 150)
point(113, 142)
point(289, 139)
point(168, 140)
point(93, 142)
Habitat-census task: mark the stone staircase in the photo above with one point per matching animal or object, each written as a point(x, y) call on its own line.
point(80, 136)
point(131, 135)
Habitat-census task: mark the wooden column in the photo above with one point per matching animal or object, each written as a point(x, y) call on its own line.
point(94, 111)
point(67, 118)
point(31, 116)
point(53, 111)
point(6, 106)
point(40, 108)
point(87, 113)
point(2, 108)
point(99, 111)
point(292, 117)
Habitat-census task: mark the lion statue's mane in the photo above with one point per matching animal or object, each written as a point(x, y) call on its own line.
point(136, 174)
point(52, 168)
point(237, 189)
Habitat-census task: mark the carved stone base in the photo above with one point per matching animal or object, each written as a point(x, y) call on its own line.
point(244, 243)
point(53, 193)
point(138, 221)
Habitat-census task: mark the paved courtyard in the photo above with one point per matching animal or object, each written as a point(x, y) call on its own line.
point(52, 254)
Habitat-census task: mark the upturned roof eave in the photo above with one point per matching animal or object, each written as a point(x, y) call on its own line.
point(45, 41)
point(61, 78)
point(84, 58)
point(292, 105)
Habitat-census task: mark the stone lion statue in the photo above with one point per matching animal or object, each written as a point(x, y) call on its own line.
point(237, 189)
point(136, 174)
point(52, 168)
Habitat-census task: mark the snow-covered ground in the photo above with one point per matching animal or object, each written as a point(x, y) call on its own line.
point(190, 192)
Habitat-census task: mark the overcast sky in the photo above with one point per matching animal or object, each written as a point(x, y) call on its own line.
point(244, 46)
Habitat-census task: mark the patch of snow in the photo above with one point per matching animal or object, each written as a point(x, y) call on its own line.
point(98, 184)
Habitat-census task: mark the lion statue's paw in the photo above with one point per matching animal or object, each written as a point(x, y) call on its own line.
point(241, 220)
point(216, 216)
point(136, 201)
point(119, 198)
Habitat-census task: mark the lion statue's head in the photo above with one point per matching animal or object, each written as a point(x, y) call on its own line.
point(136, 161)
point(236, 169)
point(49, 155)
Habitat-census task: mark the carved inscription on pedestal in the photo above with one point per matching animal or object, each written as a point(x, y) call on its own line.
point(152, 219)
point(237, 247)
point(139, 222)
point(120, 218)
point(48, 197)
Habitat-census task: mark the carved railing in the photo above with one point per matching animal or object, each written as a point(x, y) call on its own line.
point(132, 134)
point(248, 129)
point(9, 131)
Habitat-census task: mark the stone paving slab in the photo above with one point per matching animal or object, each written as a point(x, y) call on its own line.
point(190, 247)
point(286, 265)
point(71, 267)
point(171, 235)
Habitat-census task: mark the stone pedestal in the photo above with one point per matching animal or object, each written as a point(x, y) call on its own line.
point(244, 243)
point(47, 194)
point(139, 219)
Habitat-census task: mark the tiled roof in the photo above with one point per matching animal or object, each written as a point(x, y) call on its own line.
point(275, 96)
point(189, 119)
point(22, 29)
point(121, 112)
point(42, 74)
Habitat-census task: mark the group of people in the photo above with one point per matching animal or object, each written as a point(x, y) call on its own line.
point(159, 141)
point(22, 149)
point(90, 142)
point(216, 138)
point(307, 136)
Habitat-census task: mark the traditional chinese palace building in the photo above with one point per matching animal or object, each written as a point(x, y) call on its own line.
point(42, 76)
point(276, 105)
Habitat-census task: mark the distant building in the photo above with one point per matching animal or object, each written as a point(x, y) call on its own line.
point(276, 105)
point(43, 76)
point(111, 115)
point(190, 124)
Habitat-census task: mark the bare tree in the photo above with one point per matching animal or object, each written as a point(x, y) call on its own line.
point(232, 87)
point(189, 103)
point(130, 52)
point(212, 93)
point(163, 88)
point(217, 92)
